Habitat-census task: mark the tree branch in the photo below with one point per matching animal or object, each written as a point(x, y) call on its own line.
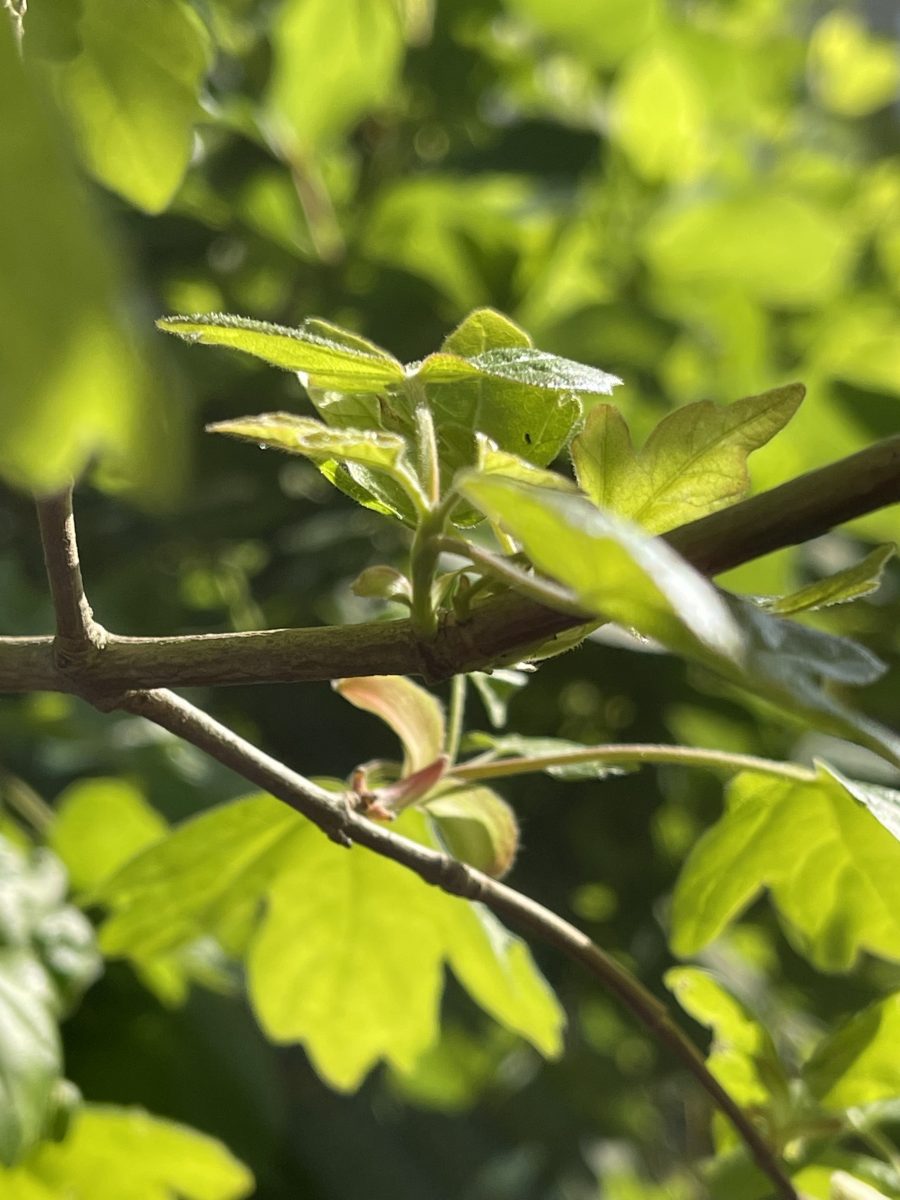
point(501, 629)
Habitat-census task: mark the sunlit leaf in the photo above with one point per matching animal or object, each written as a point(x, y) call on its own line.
point(99, 825)
point(70, 384)
point(882, 802)
point(612, 567)
point(833, 872)
point(132, 93)
point(334, 60)
point(482, 330)
point(852, 72)
point(324, 354)
point(693, 463)
point(416, 716)
point(852, 583)
point(781, 249)
point(857, 1063)
point(316, 949)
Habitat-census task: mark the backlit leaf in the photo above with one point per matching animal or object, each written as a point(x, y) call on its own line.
point(693, 463)
point(344, 940)
point(743, 1057)
point(115, 1153)
point(833, 872)
point(328, 357)
point(70, 384)
point(416, 716)
point(132, 93)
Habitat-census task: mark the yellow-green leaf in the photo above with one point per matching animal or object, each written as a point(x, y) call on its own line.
point(852, 583)
point(132, 93)
point(858, 1063)
point(693, 463)
point(326, 356)
point(832, 870)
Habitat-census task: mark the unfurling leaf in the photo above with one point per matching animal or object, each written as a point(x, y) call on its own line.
point(329, 357)
point(479, 828)
point(382, 582)
point(693, 463)
point(415, 715)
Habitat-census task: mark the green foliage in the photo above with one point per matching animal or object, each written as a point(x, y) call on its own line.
point(132, 93)
point(703, 199)
point(48, 957)
point(694, 462)
point(125, 1154)
point(830, 867)
point(316, 959)
point(58, 290)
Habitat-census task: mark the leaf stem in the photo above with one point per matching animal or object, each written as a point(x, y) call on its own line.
point(636, 754)
point(455, 715)
point(426, 442)
point(544, 591)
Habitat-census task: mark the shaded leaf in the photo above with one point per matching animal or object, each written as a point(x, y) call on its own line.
point(833, 872)
point(513, 745)
point(882, 802)
point(478, 827)
point(327, 356)
point(693, 463)
point(497, 689)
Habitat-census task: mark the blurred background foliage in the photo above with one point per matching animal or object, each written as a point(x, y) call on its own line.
point(701, 197)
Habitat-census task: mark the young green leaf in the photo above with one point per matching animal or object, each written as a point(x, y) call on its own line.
point(478, 827)
point(373, 452)
point(833, 872)
point(612, 567)
point(328, 357)
point(861, 579)
point(857, 1063)
point(693, 463)
point(316, 949)
point(106, 1145)
point(415, 715)
point(482, 330)
point(493, 461)
point(497, 689)
point(523, 365)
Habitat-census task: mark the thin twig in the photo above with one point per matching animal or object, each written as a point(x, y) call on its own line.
point(77, 633)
